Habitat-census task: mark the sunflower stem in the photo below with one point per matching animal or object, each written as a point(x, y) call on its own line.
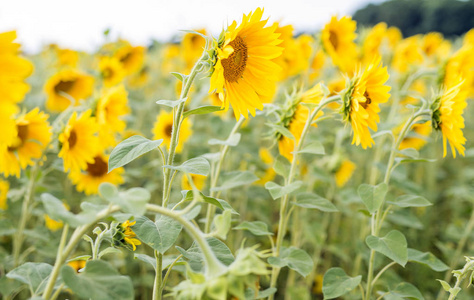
point(285, 201)
point(158, 276)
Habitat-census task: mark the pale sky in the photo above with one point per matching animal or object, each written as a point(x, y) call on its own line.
point(80, 24)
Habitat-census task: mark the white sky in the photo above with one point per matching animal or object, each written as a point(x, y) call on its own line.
point(80, 24)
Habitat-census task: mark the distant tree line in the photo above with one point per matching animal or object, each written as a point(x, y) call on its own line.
point(450, 17)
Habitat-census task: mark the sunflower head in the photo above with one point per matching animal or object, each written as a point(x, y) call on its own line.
point(243, 73)
point(112, 107)
point(131, 58)
point(163, 129)
point(111, 70)
point(125, 237)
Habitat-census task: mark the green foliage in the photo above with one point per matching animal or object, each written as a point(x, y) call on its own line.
point(160, 235)
point(336, 283)
point(34, 275)
point(294, 258)
point(393, 245)
point(131, 149)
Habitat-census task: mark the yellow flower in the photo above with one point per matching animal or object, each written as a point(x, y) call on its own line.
point(461, 65)
point(433, 45)
point(79, 141)
point(52, 224)
point(317, 64)
point(266, 158)
point(373, 42)
point(129, 235)
point(362, 99)
point(198, 180)
point(344, 172)
point(111, 70)
point(418, 139)
point(13, 71)
point(4, 186)
point(469, 38)
point(67, 57)
point(192, 47)
point(131, 57)
point(33, 134)
point(77, 264)
point(338, 41)
point(447, 117)
point(394, 36)
point(335, 87)
point(95, 173)
point(67, 87)
point(8, 127)
point(407, 55)
point(244, 74)
point(112, 107)
point(164, 126)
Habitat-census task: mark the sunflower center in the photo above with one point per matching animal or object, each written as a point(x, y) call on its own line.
point(98, 168)
point(367, 101)
point(64, 86)
point(20, 138)
point(126, 58)
point(72, 140)
point(234, 66)
point(108, 73)
point(333, 39)
point(169, 130)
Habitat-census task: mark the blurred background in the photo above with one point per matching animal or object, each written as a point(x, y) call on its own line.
point(81, 24)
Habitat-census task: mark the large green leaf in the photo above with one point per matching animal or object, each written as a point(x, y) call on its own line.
point(336, 283)
point(189, 195)
point(278, 191)
point(406, 290)
point(294, 258)
point(427, 258)
point(160, 235)
point(131, 201)
point(232, 141)
point(235, 179)
point(194, 253)
point(99, 281)
point(393, 245)
point(130, 149)
point(372, 196)
point(256, 227)
point(197, 165)
point(410, 201)
point(313, 201)
point(57, 211)
point(35, 275)
point(282, 166)
point(313, 148)
point(202, 110)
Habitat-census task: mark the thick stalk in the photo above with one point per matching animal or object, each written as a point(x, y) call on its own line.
point(211, 209)
point(158, 278)
point(25, 215)
point(285, 200)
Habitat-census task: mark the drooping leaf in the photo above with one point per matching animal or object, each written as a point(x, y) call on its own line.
point(235, 179)
point(393, 245)
point(410, 201)
point(427, 258)
point(130, 149)
point(232, 141)
point(278, 191)
point(197, 165)
point(35, 275)
point(406, 290)
point(131, 201)
point(294, 258)
point(57, 211)
point(336, 283)
point(313, 201)
point(257, 228)
point(313, 148)
point(171, 103)
point(201, 110)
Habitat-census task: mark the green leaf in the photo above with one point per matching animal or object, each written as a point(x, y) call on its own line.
point(282, 130)
point(235, 179)
point(427, 258)
point(56, 210)
point(99, 281)
point(265, 293)
point(372, 196)
point(202, 110)
point(393, 245)
point(179, 76)
point(220, 249)
point(410, 201)
point(296, 259)
point(171, 103)
point(282, 166)
point(146, 258)
point(313, 148)
point(197, 165)
point(190, 196)
point(222, 224)
point(109, 250)
point(257, 228)
point(410, 152)
point(232, 141)
point(407, 290)
point(35, 275)
point(336, 283)
point(160, 235)
point(130, 149)
point(445, 285)
point(277, 191)
point(313, 201)
point(131, 201)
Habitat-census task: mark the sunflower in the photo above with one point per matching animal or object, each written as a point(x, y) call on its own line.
point(131, 57)
point(164, 126)
point(77, 265)
point(362, 99)
point(373, 42)
point(407, 55)
point(447, 117)
point(338, 41)
point(317, 64)
point(344, 172)
point(125, 237)
point(112, 107)
point(460, 65)
point(33, 134)
point(67, 87)
point(8, 127)
point(4, 186)
point(111, 70)
point(418, 138)
point(95, 173)
point(13, 71)
point(79, 141)
point(67, 57)
point(192, 47)
point(198, 180)
point(244, 74)
point(434, 45)
point(52, 224)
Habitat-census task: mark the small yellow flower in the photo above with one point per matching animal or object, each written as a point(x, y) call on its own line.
point(131, 57)
point(67, 57)
point(164, 126)
point(407, 55)
point(362, 99)
point(244, 74)
point(112, 107)
point(198, 180)
point(127, 236)
point(447, 117)
point(338, 41)
point(52, 224)
point(4, 186)
point(344, 172)
point(111, 70)
point(434, 45)
point(77, 265)
point(67, 87)
point(373, 42)
point(79, 141)
point(461, 65)
point(192, 47)
point(95, 173)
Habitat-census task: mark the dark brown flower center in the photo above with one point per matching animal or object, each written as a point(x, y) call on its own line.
point(72, 140)
point(169, 130)
point(333, 39)
point(64, 86)
point(234, 66)
point(21, 137)
point(98, 168)
point(367, 101)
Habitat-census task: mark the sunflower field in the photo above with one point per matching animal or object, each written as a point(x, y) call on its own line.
point(257, 164)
